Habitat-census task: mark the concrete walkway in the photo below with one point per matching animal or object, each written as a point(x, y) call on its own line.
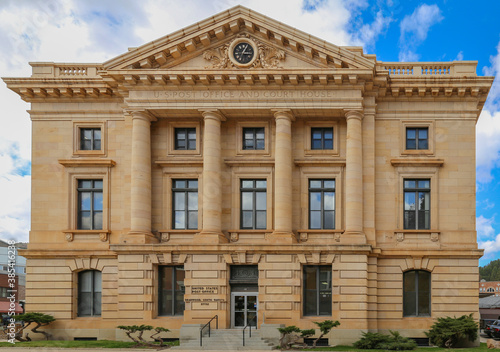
point(45, 349)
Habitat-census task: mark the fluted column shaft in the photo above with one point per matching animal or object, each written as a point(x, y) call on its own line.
point(140, 180)
point(283, 172)
point(354, 173)
point(212, 190)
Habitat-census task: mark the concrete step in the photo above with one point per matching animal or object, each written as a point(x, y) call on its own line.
point(228, 339)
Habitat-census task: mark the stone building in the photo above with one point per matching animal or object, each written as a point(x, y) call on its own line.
point(243, 168)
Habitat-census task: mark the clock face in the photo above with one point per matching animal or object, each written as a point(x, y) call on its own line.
point(243, 52)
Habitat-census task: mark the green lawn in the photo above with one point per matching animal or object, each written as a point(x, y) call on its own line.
point(481, 348)
point(78, 344)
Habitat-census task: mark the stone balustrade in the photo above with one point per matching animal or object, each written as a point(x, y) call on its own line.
point(418, 69)
point(54, 70)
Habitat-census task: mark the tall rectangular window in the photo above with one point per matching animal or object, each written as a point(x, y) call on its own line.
point(321, 204)
point(417, 138)
point(185, 139)
point(253, 204)
point(322, 138)
point(317, 290)
point(90, 138)
point(417, 293)
point(417, 207)
point(89, 293)
point(185, 204)
point(253, 138)
point(171, 290)
point(90, 205)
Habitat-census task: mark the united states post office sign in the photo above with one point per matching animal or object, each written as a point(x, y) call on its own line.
point(204, 289)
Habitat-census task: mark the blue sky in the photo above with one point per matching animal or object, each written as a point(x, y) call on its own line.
point(98, 30)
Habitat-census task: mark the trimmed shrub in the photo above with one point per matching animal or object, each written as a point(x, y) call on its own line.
point(375, 340)
point(449, 332)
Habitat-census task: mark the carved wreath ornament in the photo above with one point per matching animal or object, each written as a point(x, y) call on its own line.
point(267, 57)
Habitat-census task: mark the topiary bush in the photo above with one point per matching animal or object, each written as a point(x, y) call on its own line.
point(449, 332)
point(394, 342)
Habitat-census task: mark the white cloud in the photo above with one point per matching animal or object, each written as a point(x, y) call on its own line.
point(484, 228)
point(487, 145)
point(414, 29)
point(460, 56)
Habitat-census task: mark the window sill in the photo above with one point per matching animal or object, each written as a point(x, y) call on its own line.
point(180, 161)
point(418, 234)
point(177, 235)
point(236, 235)
point(417, 162)
point(87, 235)
point(417, 152)
point(243, 161)
point(87, 162)
point(320, 161)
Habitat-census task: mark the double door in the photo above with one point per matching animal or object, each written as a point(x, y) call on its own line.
point(244, 307)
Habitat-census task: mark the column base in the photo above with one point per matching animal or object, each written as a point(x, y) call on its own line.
point(207, 237)
point(353, 237)
point(281, 237)
point(139, 237)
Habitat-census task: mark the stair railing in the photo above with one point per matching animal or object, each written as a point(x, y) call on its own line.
point(209, 328)
point(249, 329)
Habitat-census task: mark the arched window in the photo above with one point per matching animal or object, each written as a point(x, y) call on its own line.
point(417, 293)
point(490, 289)
point(89, 293)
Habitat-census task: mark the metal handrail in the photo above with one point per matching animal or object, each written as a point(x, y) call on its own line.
point(249, 329)
point(216, 317)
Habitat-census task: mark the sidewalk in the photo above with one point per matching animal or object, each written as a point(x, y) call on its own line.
point(46, 349)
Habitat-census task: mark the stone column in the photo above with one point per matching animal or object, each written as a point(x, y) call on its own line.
point(212, 187)
point(354, 178)
point(140, 180)
point(283, 165)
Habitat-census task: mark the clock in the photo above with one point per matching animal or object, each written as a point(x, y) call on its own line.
point(243, 52)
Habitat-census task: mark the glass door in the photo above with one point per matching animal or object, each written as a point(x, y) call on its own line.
point(244, 308)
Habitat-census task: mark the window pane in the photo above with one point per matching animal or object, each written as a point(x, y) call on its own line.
point(410, 133)
point(192, 134)
point(179, 184)
point(329, 201)
point(181, 134)
point(315, 200)
point(315, 184)
point(85, 282)
point(84, 184)
point(180, 200)
point(259, 133)
point(261, 220)
point(84, 304)
point(260, 144)
point(328, 133)
point(261, 201)
point(167, 278)
point(193, 184)
point(328, 144)
point(329, 220)
point(191, 145)
point(316, 133)
point(409, 184)
point(315, 219)
point(424, 201)
point(97, 144)
point(424, 184)
point(410, 220)
point(247, 219)
point(97, 221)
point(410, 201)
point(97, 281)
point(97, 134)
point(246, 184)
point(316, 144)
point(422, 133)
point(193, 220)
point(329, 183)
point(423, 303)
point(97, 303)
point(97, 201)
point(180, 220)
point(192, 200)
point(409, 281)
point(409, 304)
point(260, 184)
point(423, 144)
point(248, 133)
point(85, 200)
point(98, 184)
point(246, 200)
point(411, 144)
point(248, 144)
point(85, 221)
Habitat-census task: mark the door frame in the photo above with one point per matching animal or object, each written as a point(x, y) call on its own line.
point(232, 312)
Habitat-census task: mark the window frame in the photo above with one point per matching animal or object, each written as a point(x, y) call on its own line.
point(93, 139)
point(187, 131)
point(417, 131)
point(254, 190)
point(417, 293)
point(78, 127)
point(323, 139)
point(92, 191)
point(307, 294)
point(310, 125)
point(174, 293)
point(255, 131)
point(322, 211)
point(268, 137)
point(416, 190)
point(92, 292)
point(170, 137)
point(417, 124)
point(187, 212)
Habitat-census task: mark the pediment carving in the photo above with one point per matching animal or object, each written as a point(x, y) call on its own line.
point(267, 56)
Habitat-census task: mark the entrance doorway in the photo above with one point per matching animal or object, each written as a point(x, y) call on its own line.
point(244, 295)
point(244, 307)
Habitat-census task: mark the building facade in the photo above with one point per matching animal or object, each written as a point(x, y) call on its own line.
point(243, 168)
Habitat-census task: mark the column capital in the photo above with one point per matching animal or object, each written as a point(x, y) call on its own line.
point(212, 114)
point(354, 114)
point(283, 114)
point(142, 114)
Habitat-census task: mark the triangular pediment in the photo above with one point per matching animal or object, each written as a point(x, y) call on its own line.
point(205, 45)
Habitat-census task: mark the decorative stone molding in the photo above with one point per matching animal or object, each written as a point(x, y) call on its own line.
point(268, 57)
point(401, 234)
point(86, 235)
